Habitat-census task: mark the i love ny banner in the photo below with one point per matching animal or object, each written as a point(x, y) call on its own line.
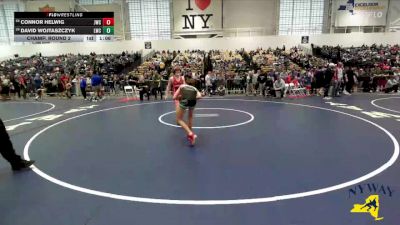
point(197, 15)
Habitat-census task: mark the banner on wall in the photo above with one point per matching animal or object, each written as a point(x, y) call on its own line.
point(305, 39)
point(197, 15)
point(360, 13)
point(147, 45)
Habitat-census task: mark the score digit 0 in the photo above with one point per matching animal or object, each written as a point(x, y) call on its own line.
point(108, 30)
point(108, 21)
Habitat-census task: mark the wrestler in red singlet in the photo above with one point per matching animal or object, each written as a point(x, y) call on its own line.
point(174, 83)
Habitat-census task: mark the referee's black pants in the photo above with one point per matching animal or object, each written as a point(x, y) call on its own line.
point(6, 147)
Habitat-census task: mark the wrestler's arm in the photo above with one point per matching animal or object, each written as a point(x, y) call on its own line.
point(177, 94)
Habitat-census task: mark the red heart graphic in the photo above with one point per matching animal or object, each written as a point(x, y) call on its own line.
point(203, 4)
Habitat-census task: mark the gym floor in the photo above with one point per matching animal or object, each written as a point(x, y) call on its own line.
point(257, 161)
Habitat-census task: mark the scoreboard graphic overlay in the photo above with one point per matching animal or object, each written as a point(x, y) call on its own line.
point(63, 26)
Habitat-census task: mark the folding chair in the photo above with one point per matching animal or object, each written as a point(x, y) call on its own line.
point(287, 90)
point(297, 90)
point(302, 90)
point(129, 91)
point(292, 91)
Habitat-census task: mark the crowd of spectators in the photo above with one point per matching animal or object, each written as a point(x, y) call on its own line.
point(329, 72)
point(60, 75)
point(383, 56)
point(375, 67)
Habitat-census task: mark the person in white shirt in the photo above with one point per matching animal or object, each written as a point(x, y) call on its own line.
point(391, 85)
point(279, 86)
point(340, 81)
point(249, 83)
point(397, 74)
point(208, 83)
point(255, 82)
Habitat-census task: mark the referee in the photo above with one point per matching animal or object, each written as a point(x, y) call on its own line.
point(8, 152)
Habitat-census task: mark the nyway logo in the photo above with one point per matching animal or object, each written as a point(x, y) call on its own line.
point(372, 203)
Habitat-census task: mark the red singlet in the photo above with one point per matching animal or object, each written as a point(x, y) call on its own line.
point(176, 83)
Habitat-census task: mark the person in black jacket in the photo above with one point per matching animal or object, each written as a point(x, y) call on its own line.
point(262, 79)
point(319, 79)
point(8, 152)
point(328, 76)
point(349, 79)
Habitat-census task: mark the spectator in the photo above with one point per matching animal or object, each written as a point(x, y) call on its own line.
point(249, 83)
point(83, 86)
point(328, 82)
point(349, 80)
point(15, 84)
point(111, 82)
point(269, 84)
point(319, 80)
point(38, 80)
point(255, 82)
point(156, 78)
point(22, 84)
point(202, 81)
point(208, 83)
point(391, 85)
point(143, 88)
point(262, 79)
point(75, 86)
point(5, 87)
point(279, 87)
point(64, 79)
point(29, 83)
point(96, 85)
point(340, 79)
point(68, 89)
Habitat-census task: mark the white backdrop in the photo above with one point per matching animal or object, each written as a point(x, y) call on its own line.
point(250, 14)
point(345, 40)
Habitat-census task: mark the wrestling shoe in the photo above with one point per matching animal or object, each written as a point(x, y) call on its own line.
point(192, 138)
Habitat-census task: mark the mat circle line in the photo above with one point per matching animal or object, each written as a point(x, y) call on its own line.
point(365, 177)
point(34, 114)
point(215, 127)
point(391, 110)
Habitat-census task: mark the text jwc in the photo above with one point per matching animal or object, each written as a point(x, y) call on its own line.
point(190, 19)
point(371, 188)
